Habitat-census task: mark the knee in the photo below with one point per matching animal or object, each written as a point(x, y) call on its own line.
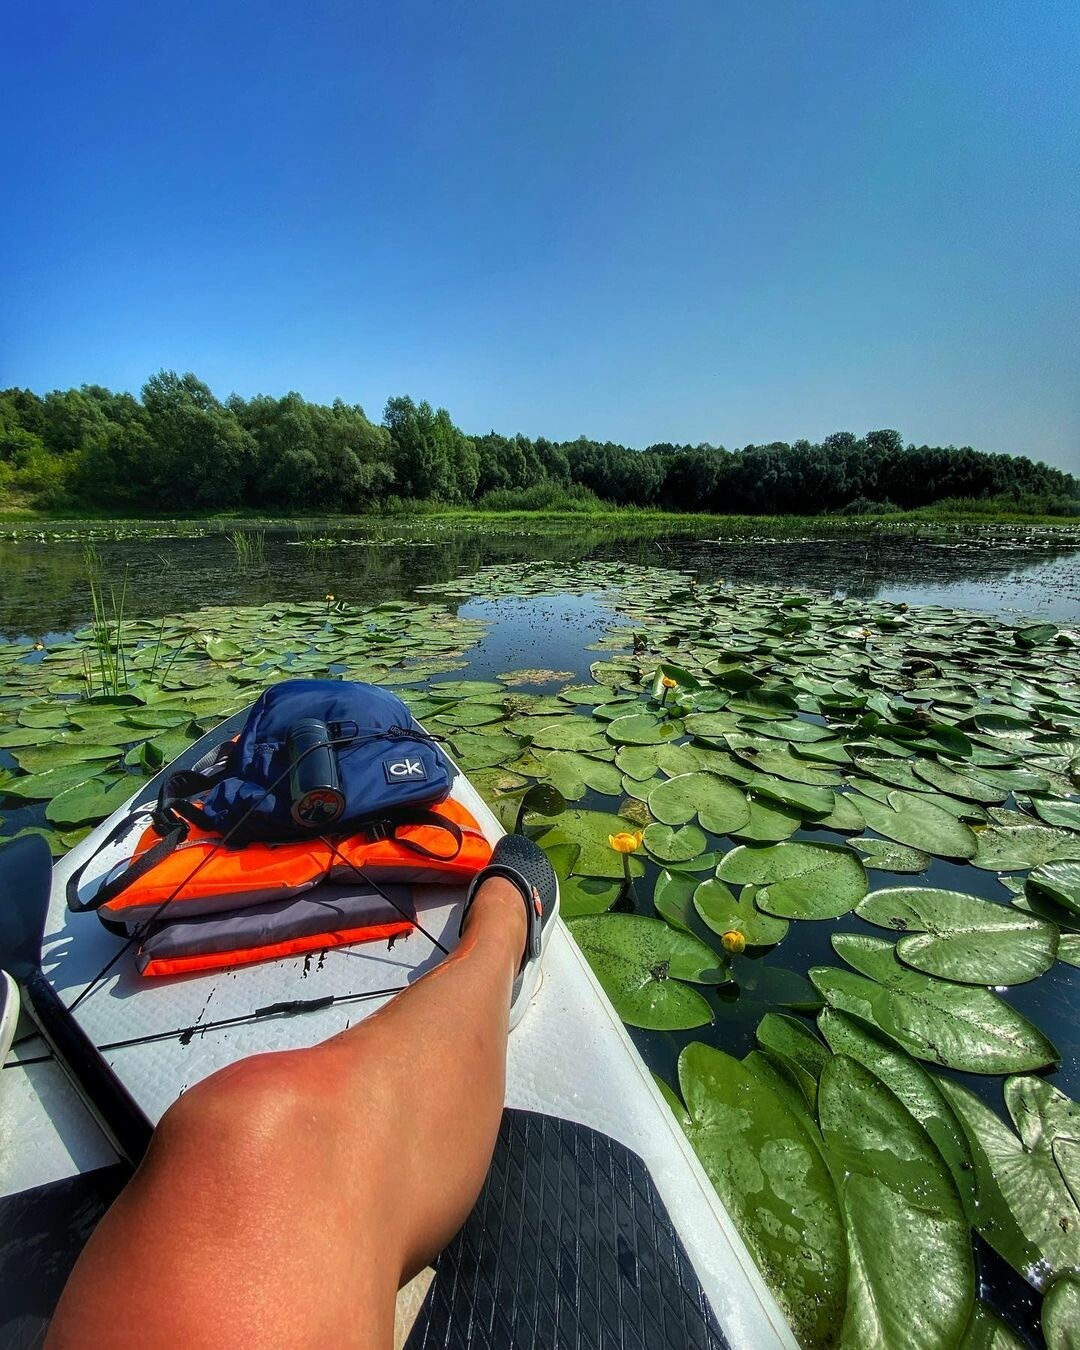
point(255, 1113)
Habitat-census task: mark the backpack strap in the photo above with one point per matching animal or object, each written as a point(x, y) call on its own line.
point(170, 817)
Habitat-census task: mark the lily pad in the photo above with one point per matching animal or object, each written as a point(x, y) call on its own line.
point(766, 1163)
point(799, 880)
point(1025, 1212)
point(962, 937)
point(1008, 848)
point(590, 831)
point(1061, 1313)
point(642, 964)
point(587, 895)
point(913, 1274)
point(720, 806)
point(956, 1025)
point(90, 801)
point(720, 910)
point(883, 855)
point(642, 729)
point(1058, 882)
point(673, 898)
point(668, 845)
point(919, 823)
point(918, 1089)
point(796, 1049)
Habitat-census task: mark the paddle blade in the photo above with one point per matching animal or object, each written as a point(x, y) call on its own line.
point(25, 885)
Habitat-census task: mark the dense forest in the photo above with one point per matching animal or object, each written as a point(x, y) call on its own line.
point(179, 448)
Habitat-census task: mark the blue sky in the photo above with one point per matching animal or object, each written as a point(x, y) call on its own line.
point(736, 220)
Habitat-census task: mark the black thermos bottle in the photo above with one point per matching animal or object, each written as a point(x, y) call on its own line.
point(317, 799)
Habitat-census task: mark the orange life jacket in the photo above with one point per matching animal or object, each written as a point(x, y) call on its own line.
point(200, 875)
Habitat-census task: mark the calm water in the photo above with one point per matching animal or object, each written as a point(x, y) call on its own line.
point(1023, 572)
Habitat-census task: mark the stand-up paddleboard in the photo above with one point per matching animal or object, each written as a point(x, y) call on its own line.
point(591, 1168)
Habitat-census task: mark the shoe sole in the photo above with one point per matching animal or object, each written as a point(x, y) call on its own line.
point(529, 981)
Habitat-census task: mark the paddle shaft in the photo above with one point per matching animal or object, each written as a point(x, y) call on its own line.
point(112, 1106)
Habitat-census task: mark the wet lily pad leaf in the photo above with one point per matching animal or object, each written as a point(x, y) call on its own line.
point(673, 898)
point(573, 774)
point(41, 758)
point(1025, 1210)
point(587, 895)
point(672, 1098)
point(590, 831)
point(883, 855)
point(90, 801)
point(956, 784)
point(44, 786)
point(956, 1025)
point(776, 986)
point(1058, 882)
point(1054, 812)
point(642, 964)
point(920, 823)
point(719, 805)
point(638, 761)
point(796, 1049)
point(720, 910)
point(799, 880)
point(918, 1089)
point(987, 1331)
point(1061, 1313)
point(769, 822)
point(810, 802)
point(912, 1276)
point(765, 1160)
point(1069, 949)
point(542, 799)
point(1008, 848)
point(961, 937)
point(642, 729)
point(570, 733)
point(669, 845)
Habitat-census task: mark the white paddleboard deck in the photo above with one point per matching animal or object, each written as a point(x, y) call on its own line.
point(569, 1057)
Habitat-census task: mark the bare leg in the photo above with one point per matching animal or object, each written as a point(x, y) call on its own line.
point(285, 1199)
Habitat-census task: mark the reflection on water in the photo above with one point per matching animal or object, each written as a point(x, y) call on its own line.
point(1003, 571)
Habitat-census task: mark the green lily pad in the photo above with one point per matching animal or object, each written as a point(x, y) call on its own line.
point(883, 855)
point(642, 729)
point(956, 1025)
point(918, 1089)
point(962, 937)
point(919, 823)
point(570, 733)
point(44, 786)
point(574, 774)
point(720, 910)
point(765, 1160)
point(642, 964)
point(987, 1331)
point(1008, 848)
point(913, 1273)
point(91, 801)
point(719, 805)
point(956, 784)
point(768, 823)
point(669, 845)
point(1025, 1212)
point(1058, 882)
point(587, 895)
point(590, 831)
point(40, 759)
point(1053, 812)
point(1061, 1313)
point(795, 1048)
point(673, 897)
point(799, 880)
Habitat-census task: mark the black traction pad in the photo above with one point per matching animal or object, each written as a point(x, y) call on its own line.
point(568, 1246)
point(42, 1232)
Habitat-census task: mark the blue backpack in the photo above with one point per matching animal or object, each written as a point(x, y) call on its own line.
point(389, 769)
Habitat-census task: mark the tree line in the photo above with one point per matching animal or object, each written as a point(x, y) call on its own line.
point(179, 448)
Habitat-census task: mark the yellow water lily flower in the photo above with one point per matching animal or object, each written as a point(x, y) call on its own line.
point(625, 842)
point(329, 597)
point(668, 682)
point(733, 942)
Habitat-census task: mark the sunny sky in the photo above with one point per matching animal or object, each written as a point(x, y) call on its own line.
point(733, 220)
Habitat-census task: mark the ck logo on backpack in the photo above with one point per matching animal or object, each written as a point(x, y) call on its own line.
point(404, 770)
